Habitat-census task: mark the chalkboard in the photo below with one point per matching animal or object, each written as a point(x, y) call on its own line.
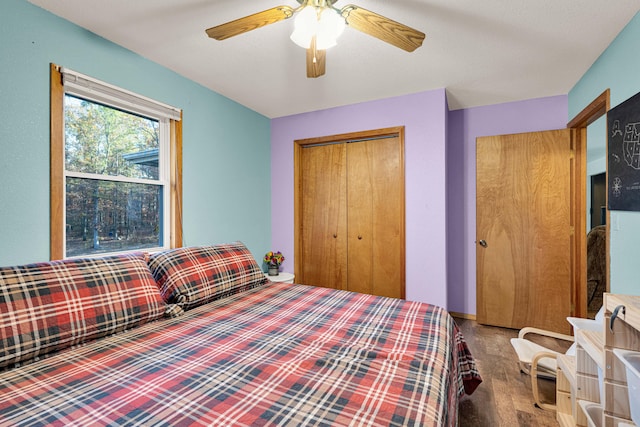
point(623, 163)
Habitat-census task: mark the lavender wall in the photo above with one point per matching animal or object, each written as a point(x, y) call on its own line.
point(424, 116)
point(464, 127)
point(440, 179)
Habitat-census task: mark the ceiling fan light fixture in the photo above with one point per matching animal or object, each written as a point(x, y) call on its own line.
point(327, 25)
point(330, 27)
point(305, 27)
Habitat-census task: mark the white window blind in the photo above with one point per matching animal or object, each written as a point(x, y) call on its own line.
point(113, 96)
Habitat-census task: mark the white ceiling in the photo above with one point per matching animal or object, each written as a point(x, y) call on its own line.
point(482, 51)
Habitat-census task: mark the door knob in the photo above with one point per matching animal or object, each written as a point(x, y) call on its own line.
point(359, 237)
point(335, 235)
point(483, 243)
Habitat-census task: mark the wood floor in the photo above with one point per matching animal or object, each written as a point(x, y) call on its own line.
point(504, 398)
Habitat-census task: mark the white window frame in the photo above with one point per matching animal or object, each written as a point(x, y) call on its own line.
point(85, 87)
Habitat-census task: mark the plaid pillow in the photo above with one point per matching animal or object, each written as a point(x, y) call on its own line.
point(53, 305)
point(194, 276)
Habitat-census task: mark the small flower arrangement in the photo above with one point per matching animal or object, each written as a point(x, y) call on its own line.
point(273, 259)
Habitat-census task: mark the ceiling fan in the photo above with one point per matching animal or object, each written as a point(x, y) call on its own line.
point(319, 24)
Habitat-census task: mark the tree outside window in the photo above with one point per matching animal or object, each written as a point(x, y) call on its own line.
point(114, 197)
point(116, 169)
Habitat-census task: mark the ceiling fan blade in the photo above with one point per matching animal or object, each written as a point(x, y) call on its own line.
point(382, 28)
point(316, 60)
point(251, 22)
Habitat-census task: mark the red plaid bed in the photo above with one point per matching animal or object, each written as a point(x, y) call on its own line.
point(275, 355)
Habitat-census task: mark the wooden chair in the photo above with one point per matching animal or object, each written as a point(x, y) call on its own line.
point(539, 361)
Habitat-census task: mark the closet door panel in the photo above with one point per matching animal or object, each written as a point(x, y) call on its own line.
point(323, 217)
point(360, 217)
point(388, 218)
point(376, 217)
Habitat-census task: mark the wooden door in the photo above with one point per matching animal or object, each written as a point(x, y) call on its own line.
point(524, 233)
point(375, 217)
point(349, 212)
point(323, 220)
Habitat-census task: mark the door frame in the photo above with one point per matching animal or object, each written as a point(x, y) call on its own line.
point(298, 146)
point(596, 109)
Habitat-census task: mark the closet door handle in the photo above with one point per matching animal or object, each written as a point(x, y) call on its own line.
point(335, 235)
point(483, 243)
point(359, 237)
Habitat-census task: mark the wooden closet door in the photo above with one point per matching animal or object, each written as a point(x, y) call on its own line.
point(375, 217)
point(323, 220)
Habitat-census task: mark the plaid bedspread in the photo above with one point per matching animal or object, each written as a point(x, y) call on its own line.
point(275, 355)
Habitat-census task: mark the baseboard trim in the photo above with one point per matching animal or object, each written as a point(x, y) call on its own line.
point(463, 315)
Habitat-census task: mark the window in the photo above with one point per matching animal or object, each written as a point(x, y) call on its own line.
point(115, 169)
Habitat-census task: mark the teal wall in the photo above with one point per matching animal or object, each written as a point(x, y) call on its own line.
point(618, 68)
point(226, 147)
